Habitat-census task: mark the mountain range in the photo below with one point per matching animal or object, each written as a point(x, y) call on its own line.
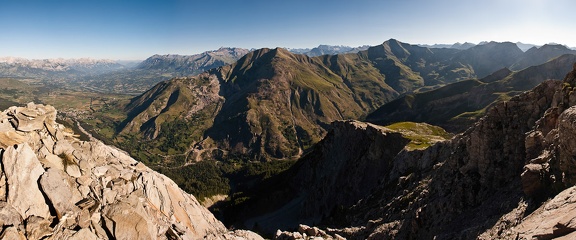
point(273, 104)
point(55, 68)
point(327, 50)
point(60, 64)
point(159, 68)
point(269, 104)
point(108, 76)
point(508, 176)
point(192, 64)
point(113, 77)
point(276, 105)
point(535, 56)
point(461, 46)
point(457, 106)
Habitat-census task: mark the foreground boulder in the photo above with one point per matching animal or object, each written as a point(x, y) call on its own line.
point(54, 186)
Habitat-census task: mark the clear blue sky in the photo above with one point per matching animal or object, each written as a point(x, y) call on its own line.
point(136, 29)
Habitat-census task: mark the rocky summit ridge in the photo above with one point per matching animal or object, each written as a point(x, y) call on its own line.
point(54, 186)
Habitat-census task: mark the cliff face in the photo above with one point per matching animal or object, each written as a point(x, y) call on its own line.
point(459, 188)
point(491, 182)
point(54, 186)
point(341, 169)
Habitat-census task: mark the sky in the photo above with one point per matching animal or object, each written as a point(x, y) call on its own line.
point(137, 29)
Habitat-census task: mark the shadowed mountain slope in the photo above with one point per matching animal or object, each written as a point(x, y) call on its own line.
point(342, 168)
point(456, 106)
point(539, 55)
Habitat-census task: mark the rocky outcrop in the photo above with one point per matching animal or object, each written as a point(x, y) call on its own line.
point(306, 232)
point(54, 186)
point(554, 219)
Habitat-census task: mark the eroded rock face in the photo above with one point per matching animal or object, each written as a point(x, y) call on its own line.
point(567, 145)
point(55, 186)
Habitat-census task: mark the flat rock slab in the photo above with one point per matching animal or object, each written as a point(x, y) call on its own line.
point(22, 170)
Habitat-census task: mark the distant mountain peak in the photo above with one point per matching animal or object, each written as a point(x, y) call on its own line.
point(324, 49)
point(58, 66)
point(463, 46)
point(10, 59)
point(555, 45)
point(193, 64)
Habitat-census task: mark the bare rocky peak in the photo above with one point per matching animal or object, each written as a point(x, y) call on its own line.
point(54, 186)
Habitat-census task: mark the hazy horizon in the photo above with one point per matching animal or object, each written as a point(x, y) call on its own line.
point(207, 50)
point(135, 30)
